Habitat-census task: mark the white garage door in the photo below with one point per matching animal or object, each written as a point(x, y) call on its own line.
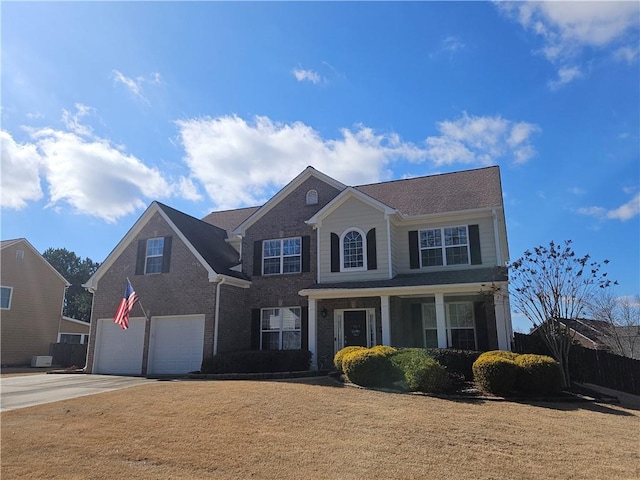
point(119, 351)
point(176, 344)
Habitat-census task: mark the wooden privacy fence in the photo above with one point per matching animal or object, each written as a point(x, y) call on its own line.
point(68, 354)
point(590, 366)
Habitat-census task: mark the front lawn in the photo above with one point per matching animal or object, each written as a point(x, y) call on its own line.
point(305, 429)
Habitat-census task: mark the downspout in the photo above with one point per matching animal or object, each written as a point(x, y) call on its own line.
point(217, 315)
point(92, 291)
point(496, 234)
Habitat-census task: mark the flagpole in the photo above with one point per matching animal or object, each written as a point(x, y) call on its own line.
point(140, 303)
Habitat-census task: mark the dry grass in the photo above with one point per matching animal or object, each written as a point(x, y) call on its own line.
point(313, 429)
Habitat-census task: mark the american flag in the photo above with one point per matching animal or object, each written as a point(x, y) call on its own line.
point(126, 305)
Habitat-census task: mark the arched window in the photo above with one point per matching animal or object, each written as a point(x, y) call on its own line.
point(353, 250)
point(312, 197)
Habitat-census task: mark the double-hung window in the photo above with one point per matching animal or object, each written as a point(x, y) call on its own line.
point(461, 326)
point(153, 260)
point(5, 297)
point(281, 328)
point(283, 255)
point(444, 246)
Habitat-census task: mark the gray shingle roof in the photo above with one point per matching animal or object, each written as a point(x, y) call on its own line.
point(208, 240)
point(229, 219)
point(447, 192)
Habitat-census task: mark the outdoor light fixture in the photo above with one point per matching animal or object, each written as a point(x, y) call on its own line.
point(324, 312)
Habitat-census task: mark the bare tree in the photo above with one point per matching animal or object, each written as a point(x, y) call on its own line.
point(552, 284)
point(621, 320)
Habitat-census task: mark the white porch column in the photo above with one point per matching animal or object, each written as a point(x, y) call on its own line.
point(441, 321)
point(386, 320)
point(313, 328)
point(503, 322)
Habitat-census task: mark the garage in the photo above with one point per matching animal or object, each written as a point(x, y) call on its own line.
point(176, 344)
point(118, 351)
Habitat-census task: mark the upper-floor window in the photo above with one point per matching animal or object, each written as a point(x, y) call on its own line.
point(283, 255)
point(281, 328)
point(444, 246)
point(353, 250)
point(153, 261)
point(5, 297)
point(312, 197)
point(20, 254)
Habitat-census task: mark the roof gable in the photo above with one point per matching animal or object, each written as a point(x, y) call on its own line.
point(342, 197)
point(278, 197)
point(8, 243)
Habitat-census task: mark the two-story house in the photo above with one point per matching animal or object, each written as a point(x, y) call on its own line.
point(321, 265)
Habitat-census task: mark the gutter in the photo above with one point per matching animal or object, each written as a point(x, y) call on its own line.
point(219, 283)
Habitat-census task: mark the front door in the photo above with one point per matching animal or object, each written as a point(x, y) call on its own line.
point(355, 328)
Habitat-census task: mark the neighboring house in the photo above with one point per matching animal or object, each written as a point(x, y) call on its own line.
point(600, 335)
point(321, 265)
point(73, 331)
point(32, 296)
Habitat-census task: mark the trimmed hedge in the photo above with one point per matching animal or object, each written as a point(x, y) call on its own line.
point(500, 353)
point(455, 361)
point(495, 373)
point(371, 367)
point(421, 372)
point(337, 359)
point(538, 374)
point(258, 361)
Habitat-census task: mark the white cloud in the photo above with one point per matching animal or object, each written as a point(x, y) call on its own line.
point(306, 75)
point(623, 213)
point(567, 28)
point(20, 179)
point(72, 121)
point(482, 140)
point(135, 85)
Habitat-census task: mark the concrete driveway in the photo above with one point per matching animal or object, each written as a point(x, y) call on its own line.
point(25, 391)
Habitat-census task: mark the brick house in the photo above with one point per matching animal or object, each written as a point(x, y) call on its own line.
point(321, 265)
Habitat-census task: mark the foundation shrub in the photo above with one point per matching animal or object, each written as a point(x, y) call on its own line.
point(384, 350)
point(538, 374)
point(337, 359)
point(258, 361)
point(500, 353)
point(455, 361)
point(421, 372)
point(495, 374)
point(370, 367)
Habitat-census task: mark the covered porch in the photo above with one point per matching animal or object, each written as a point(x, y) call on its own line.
point(462, 316)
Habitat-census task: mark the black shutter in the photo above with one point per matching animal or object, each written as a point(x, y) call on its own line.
point(372, 254)
point(140, 259)
point(255, 329)
point(257, 258)
point(166, 255)
point(304, 331)
point(306, 254)
point(482, 330)
point(474, 244)
point(335, 253)
point(414, 253)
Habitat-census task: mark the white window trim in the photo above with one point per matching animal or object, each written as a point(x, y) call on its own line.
point(280, 330)
point(83, 337)
point(282, 256)
point(364, 251)
point(450, 328)
point(312, 197)
point(10, 298)
point(443, 247)
point(147, 256)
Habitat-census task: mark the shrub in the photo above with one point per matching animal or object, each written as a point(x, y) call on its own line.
point(455, 361)
point(258, 361)
point(500, 353)
point(538, 374)
point(370, 368)
point(495, 373)
point(384, 350)
point(421, 372)
point(337, 359)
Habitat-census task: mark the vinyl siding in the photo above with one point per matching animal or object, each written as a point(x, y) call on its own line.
point(354, 213)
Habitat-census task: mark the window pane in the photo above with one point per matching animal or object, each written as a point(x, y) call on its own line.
point(291, 340)
point(291, 319)
point(155, 246)
point(455, 236)
point(460, 315)
point(271, 248)
point(70, 338)
point(429, 315)
point(271, 265)
point(457, 255)
point(270, 340)
point(291, 264)
point(291, 246)
point(271, 319)
point(430, 338)
point(154, 265)
point(431, 257)
point(5, 297)
point(430, 238)
point(353, 250)
point(463, 339)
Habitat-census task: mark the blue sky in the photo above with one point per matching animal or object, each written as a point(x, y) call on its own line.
point(108, 106)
